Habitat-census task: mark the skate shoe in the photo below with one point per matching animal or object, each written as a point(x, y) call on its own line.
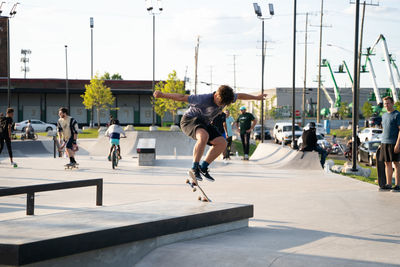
point(206, 175)
point(196, 173)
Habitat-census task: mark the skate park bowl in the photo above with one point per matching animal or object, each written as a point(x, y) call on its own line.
point(115, 235)
point(30, 148)
point(282, 157)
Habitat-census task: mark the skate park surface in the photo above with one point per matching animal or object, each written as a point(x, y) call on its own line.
point(303, 216)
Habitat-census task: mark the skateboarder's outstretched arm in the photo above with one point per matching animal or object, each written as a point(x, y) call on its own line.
point(173, 96)
point(242, 96)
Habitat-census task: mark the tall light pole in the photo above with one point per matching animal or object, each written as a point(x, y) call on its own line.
point(11, 15)
point(319, 63)
point(294, 145)
point(66, 80)
point(91, 64)
point(257, 10)
point(154, 7)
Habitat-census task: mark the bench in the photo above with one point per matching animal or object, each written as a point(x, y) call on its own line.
point(146, 149)
point(30, 190)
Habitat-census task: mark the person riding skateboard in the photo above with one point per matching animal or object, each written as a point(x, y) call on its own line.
point(310, 143)
point(245, 123)
point(5, 133)
point(67, 128)
point(196, 123)
point(391, 144)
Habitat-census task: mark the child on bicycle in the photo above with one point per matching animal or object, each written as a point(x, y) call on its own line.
point(114, 133)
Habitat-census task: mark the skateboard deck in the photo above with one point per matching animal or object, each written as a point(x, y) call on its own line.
point(194, 184)
point(70, 167)
point(380, 168)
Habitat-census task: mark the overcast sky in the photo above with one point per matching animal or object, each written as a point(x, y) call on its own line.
point(123, 40)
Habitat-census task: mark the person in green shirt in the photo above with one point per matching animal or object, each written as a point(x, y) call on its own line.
point(245, 123)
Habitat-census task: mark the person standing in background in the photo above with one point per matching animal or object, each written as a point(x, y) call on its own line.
point(229, 133)
point(245, 125)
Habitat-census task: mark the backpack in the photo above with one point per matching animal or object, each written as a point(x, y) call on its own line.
point(3, 125)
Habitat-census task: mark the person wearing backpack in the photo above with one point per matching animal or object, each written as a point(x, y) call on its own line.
point(5, 133)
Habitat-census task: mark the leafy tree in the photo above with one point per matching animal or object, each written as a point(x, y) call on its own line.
point(115, 76)
point(343, 110)
point(367, 110)
point(234, 109)
point(98, 95)
point(163, 105)
point(397, 106)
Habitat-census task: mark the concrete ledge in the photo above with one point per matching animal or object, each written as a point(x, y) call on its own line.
point(139, 227)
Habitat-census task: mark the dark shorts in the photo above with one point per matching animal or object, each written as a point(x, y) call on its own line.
point(190, 125)
point(69, 143)
point(387, 153)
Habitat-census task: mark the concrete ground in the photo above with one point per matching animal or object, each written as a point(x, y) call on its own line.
point(302, 217)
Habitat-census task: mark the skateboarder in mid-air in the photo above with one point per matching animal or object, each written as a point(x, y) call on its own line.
point(67, 128)
point(196, 123)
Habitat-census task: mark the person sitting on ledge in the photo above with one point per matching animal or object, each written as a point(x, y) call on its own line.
point(310, 143)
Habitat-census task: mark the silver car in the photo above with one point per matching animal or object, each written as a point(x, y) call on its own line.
point(37, 125)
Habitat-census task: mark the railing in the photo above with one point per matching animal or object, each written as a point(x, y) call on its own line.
point(30, 190)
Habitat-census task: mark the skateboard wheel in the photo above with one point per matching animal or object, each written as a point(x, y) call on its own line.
point(200, 198)
point(187, 181)
point(194, 189)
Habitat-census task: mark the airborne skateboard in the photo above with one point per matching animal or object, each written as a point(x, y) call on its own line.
point(70, 166)
point(194, 184)
point(380, 168)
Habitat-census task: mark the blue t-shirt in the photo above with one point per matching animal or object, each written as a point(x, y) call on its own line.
point(203, 106)
point(229, 122)
point(390, 124)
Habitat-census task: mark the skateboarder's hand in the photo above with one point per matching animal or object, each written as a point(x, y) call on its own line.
point(397, 149)
point(261, 96)
point(157, 94)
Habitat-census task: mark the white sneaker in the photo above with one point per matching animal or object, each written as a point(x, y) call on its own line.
point(246, 157)
point(14, 164)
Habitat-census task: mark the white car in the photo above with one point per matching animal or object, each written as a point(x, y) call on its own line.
point(321, 141)
point(37, 125)
point(370, 134)
point(319, 127)
point(284, 133)
point(276, 126)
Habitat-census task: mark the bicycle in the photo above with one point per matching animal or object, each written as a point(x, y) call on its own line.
point(114, 156)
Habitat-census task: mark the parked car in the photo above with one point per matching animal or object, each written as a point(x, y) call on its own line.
point(321, 141)
point(367, 152)
point(275, 129)
point(319, 127)
point(375, 121)
point(256, 134)
point(370, 134)
point(37, 125)
point(284, 133)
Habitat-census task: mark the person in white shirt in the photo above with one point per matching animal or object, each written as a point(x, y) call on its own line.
point(114, 133)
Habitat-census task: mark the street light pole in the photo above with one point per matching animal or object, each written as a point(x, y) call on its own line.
point(66, 80)
point(355, 88)
point(153, 10)
point(12, 14)
point(91, 66)
point(294, 145)
point(258, 12)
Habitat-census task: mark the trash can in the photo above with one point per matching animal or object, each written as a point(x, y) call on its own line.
point(327, 126)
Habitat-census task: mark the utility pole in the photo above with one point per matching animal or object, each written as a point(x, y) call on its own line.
point(303, 119)
point(294, 143)
point(319, 63)
point(66, 80)
point(196, 60)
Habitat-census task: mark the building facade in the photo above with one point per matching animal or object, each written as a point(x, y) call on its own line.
point(41, 99)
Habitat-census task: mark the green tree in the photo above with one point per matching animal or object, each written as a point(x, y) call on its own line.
point(367, 110)
point(171, 85)
point(234, 109)
point(115, 76)
point(343, 110)
point(98, 95)
point(397, 106)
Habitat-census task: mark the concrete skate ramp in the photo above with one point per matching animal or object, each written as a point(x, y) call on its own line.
point(166, 144)
point(265, 150)
point(30, 148)
point(277, 157)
